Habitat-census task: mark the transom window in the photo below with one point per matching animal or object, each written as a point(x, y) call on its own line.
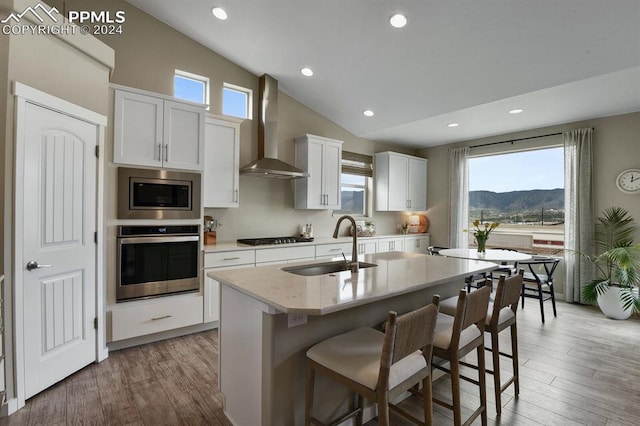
point(237, 101)
point(191, 87)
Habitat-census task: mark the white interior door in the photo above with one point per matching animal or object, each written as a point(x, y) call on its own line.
point(59, 253)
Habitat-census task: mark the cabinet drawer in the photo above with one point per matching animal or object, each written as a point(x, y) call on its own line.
point(337, 249)
point(134, 319)
point(229, 258)
point(282, 254)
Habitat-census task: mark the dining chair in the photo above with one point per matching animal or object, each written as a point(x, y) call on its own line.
point(456, 336)
point(379, 366)
point(508, 268)
point(538, 281)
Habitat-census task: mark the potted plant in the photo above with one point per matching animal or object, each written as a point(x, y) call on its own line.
point(481, 234)
point(617, 261)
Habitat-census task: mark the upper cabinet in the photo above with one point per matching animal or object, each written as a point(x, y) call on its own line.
point(221, 163)
point(400, 182)
point(322, 159)
point(157, 131)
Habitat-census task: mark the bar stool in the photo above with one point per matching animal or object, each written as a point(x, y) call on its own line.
point(456, 337)
point(501, 314)
point(379, 366)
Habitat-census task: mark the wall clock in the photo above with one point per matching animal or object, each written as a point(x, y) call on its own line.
point(628, 181)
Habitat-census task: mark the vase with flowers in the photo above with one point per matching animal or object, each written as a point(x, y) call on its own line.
point(481, 233)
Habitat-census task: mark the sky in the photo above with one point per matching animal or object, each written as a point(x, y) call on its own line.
point(539, 169)
point(234, 102)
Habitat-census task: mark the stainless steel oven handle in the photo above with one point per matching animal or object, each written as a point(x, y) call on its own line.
point(158, 239)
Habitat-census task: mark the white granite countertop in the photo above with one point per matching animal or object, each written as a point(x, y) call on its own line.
point(396, 273)
point(232, 245)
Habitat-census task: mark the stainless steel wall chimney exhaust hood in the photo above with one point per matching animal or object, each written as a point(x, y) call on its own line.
point(267, 165)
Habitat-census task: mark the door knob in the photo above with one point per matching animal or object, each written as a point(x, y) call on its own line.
point(34, 265)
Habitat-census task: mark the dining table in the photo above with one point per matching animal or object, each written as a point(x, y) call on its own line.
point(490, 255)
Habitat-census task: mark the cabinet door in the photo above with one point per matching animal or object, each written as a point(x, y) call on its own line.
point(390, 244)
point(138, 133)
point(417, 184)
point(332, 168)
point(221, 163)
point(416, 244)
point(183, 136)
point(212, 294)
point(367, 247)
point(398, 195)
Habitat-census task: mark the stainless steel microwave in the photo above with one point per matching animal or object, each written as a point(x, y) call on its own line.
point(158, 194)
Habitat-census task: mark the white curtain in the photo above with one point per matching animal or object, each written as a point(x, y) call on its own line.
point(459, 193)
point(578, 216)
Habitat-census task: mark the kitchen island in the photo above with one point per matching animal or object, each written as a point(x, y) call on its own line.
point(270, 317)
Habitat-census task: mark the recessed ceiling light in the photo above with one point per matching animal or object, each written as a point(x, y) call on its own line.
point(516, 111)
point(453, 124)
point(219, 13)
point(398, 20)
point(368, 113)
point(308, 72)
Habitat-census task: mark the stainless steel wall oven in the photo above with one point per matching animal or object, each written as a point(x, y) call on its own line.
point(157, 260)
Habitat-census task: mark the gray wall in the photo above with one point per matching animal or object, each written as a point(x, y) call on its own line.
point(616, 146)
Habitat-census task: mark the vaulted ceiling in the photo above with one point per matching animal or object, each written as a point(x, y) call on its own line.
point(464, 61)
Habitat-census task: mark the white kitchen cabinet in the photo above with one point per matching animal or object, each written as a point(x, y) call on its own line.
point(400, 182)
point(325, 251)
point(221, 163)
point(367, 246)
point(142, 317)
point(219, 261)
point(416, 243)
point(274, 256)
point(322, 159)
point(158, 131)
point(390, 244)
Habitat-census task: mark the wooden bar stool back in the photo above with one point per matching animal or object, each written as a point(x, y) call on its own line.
point(379, 366)
point(456, 337)
point(502, 315)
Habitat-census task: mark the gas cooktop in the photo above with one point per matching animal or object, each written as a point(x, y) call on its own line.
point(267, 241)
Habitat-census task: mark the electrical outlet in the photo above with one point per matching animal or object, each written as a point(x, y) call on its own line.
point(294, 320)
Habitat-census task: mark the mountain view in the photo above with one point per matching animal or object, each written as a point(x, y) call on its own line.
point(544, 206)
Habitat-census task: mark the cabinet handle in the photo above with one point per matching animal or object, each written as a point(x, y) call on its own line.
point(161, 318)
point(236, 196)
point(231, 258)
point(159, 152)
point(335, 249)
point(166, 152)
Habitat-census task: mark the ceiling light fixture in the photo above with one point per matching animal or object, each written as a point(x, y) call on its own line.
point(368, 113)
point(516, 111)
point(219, 13)
point(398, 20)
point(453, 124)
point(306, 71)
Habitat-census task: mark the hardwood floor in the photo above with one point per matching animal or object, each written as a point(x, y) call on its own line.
point(577, 369)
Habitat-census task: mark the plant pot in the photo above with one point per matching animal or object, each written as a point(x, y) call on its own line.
point(610, 304)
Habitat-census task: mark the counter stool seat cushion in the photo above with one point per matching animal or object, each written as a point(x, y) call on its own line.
point(444, 329)
point(356, 355)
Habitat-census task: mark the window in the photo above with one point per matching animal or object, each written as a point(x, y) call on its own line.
point(524, 192)
point(355, 181)
point(237, 101)
point(191, 87)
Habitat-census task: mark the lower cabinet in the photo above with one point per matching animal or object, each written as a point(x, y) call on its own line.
point(325, 251)
point(367, 246)
point(219, 261)
point(141, 317)
point(416, 244)
point(390, 244)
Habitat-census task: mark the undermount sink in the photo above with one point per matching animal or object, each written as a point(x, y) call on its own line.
point(323, 268)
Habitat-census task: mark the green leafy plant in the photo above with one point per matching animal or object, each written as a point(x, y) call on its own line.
point(617, 260)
